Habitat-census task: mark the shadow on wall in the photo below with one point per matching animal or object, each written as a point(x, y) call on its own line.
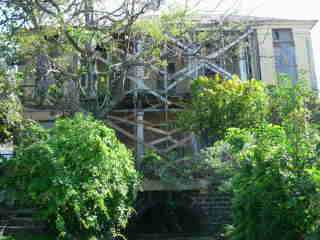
point(164, 213)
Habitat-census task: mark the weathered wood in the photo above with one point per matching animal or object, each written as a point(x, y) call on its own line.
point(174, 131)
point(160, 140)
point(179, 144)
point(183, 46)
point(145, 87)
point(146, 110)
point(140, 137)
point(184, 73)
point(230, 45)
point(215, 68)
point(133, 137)
point(156, 130)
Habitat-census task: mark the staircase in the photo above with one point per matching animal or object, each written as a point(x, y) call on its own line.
point(14, 221)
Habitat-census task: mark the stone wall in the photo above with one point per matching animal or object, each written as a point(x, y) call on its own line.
point(205, 213)
point(215, 207)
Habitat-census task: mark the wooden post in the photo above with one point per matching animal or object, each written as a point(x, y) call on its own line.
point(140, 137)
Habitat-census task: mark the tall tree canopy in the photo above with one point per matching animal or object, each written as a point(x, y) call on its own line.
point(59, 43)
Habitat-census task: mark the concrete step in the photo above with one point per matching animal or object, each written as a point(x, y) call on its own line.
point(19, 220)
point(8, 230)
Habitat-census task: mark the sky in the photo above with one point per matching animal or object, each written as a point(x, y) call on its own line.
point(288, 9)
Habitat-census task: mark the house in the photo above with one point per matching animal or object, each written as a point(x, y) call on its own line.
point(145, 103)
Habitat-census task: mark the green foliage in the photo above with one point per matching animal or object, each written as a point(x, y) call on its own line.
point(219, 104)
point(151, 164)
point(172, 171)
point(274, 183)
point(6, 238)
point(10, 108)
point(286, 98)
point(78, 174)
point(272, 169)
point(176, 22)
point(28, 236)
point(154, 33)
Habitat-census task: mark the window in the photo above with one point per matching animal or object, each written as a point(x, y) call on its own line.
point(284, 51)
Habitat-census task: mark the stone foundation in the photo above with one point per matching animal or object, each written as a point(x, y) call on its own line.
point(198, 213)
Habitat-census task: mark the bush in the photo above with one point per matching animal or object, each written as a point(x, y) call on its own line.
point(274, 183)
point(177, 172)
point(285, 98)
point(266, 144)
point(219, 104)
point(10, 108)
point(78, 174)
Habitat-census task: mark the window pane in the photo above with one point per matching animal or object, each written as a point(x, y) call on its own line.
point(284, 51)
point(282, 35)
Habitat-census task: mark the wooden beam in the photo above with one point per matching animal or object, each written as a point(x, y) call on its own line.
point(175, 131)
point(147, 110)
point(160, 140)
point(182, 45)
point(216, 68)
point(156, 130)
point(129, 118)
point(184, 76)
point(132, 137)
point(230, 45)
point(144, 87)
point(181, 143)
point(116, 101)
point(140, 138)
point(124, 132)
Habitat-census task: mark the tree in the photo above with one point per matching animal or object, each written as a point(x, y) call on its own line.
point(91, 33)
point(88, 31)
point(79, 176)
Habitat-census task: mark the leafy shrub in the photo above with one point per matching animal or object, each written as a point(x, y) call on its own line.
point(219, 104)
point(266, 145)
point(178, 172)
point(10, 108)
point(78, 174)
point(273, 181)
point(284, 98)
